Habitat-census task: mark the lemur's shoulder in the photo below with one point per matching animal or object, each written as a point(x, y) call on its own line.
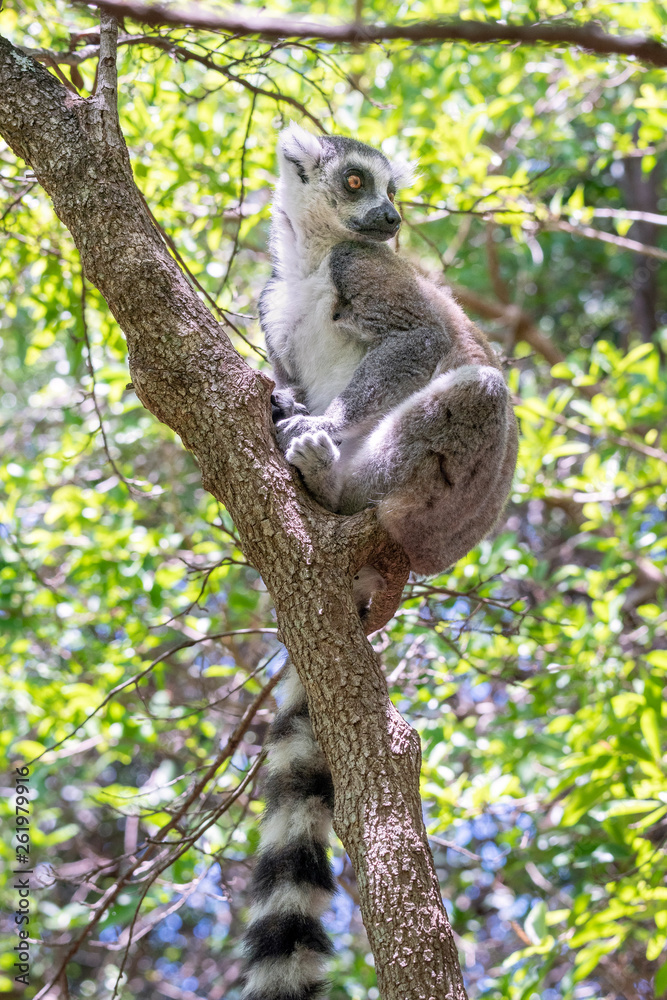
point(382, 287)
point(355, 261)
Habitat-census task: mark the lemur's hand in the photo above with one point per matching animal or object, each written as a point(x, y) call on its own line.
point(284, 405)
point(312, 453)
point(298, 425)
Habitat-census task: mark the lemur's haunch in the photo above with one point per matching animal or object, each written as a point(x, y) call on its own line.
point(386, 395)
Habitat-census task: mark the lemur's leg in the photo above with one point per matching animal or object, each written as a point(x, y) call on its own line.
point(439, 459)
point(447, 427)
point(438, 466)
point(292, 884)
point(318, 459)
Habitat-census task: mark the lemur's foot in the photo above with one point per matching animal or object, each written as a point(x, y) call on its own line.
point(312, 452)
point(284, 405)
point(366, 582)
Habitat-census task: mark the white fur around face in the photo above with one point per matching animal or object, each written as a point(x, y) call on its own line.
point(301, 215)
point(404, 173)
point(305, 224)
point(309, 215)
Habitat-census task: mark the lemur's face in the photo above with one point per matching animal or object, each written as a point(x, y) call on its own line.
point(338, 184)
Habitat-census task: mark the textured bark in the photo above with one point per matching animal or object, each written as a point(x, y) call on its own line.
point(187, 373)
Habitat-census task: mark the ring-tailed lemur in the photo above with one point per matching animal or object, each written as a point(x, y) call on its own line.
point(386, 395)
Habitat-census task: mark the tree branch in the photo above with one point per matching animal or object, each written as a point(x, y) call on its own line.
point(588, 36)
point(626, 213)
point(599, 234)
point(552, 222)
point(53, 57)
point(107, 76)
point(520, 322)
point(187, 373)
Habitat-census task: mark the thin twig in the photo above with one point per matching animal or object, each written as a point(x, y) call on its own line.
point(575, 425)
point(52, 58)
point(588, 232)
point(19, 197)
point(599, 234)
point(451, 846)
point(237, 234)
point(53, 65)
point(131, 484)
point(197, 284)
point(184, 54)
point(142, 673)
point(43, 251)
point(632, 216)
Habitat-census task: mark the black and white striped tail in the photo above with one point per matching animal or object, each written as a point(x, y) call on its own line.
point(285, 942)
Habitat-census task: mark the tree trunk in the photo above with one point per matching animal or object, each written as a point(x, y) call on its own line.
point(641, 192)
point(186, 372)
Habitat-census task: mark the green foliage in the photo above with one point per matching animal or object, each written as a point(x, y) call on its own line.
point(535, 670)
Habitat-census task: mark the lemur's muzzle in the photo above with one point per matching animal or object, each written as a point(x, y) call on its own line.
point(380, 222)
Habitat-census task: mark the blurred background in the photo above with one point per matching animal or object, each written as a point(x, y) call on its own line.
point(534, 670)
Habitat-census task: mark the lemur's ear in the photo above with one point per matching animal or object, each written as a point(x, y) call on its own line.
point(299, 150)
point(404, 173)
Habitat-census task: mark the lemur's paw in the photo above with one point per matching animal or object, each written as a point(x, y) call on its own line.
point(311, 453)
point(291, 429)
point(284, 405)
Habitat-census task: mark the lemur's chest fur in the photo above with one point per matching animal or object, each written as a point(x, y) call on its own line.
point(317, 345)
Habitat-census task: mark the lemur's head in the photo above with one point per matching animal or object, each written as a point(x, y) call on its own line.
point(339, 186)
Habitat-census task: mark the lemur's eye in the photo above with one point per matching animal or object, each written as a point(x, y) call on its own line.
point(391, 196)
point(354, 182)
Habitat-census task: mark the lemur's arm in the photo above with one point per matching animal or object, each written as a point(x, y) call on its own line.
point(380, 302)
point(398, 366)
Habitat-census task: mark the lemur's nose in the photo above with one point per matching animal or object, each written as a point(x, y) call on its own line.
point(381, 222)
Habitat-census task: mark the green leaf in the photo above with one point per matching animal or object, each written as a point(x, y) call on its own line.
point(630, 360)
point(536, 922)
point(661, 982)
point(649, 723)
point(658, 658)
